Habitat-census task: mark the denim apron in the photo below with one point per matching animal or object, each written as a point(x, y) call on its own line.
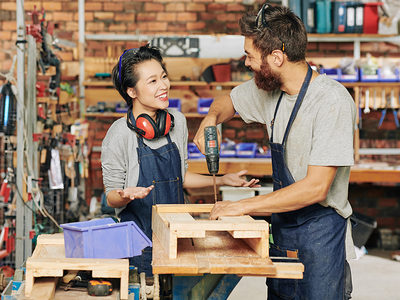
point(314, 234)
point(160, 167)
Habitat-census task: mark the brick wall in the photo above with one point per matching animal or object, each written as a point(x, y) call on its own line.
point(149, 17)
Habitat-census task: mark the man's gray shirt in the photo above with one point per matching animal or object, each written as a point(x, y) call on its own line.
point(321, 135)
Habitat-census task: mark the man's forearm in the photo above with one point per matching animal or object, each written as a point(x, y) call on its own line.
point(305, 192)
point(221, 109)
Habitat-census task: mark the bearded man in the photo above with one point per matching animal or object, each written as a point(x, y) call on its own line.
point(310, 120)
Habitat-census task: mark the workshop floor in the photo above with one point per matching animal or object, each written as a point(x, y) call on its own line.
point(375, 276)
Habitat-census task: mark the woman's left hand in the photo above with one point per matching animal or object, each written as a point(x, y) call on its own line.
point(236, 179)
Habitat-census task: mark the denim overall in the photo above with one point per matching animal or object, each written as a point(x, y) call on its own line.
point(315, 234)
point(162, 168)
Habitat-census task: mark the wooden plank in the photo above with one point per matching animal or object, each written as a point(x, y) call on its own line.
point(185, 263)
point(44, 288)
point(191, 233)
point(241, 234)
point(166, 236)
point(259, 245)
point(177, 217)
point(179, 208)
point(51, 239)
point(216, 225)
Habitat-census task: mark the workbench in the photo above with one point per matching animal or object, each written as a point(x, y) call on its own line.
point(263, 167)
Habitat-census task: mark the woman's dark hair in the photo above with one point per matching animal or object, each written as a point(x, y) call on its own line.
point(279, 29)
point(124, 73)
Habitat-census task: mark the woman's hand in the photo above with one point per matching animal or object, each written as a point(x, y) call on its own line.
point(136, 192)
point(236, 179)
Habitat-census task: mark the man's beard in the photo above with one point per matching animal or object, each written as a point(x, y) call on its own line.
point(266, 79)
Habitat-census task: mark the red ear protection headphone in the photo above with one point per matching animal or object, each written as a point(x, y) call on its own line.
point(145, 126)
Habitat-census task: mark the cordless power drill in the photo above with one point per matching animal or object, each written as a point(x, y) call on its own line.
point(212, 153)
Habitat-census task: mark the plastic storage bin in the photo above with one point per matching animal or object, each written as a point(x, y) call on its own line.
point(194, 152)
point(369, 78)
point(121, 108)
point(103, 238)
point(263, 155)
point(362, 227)
point(384, 77)
point(175, 103)
point(203, 105)
point(349, 77)
point(228, 150)
point(331, 73)
point(246, 150)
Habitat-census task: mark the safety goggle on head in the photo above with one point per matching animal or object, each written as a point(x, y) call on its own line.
point(262, 22)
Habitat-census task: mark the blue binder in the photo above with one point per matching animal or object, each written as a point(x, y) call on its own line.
point(323, 16)
point(339, 17)
point(295, 6)
point(350, 17)
point(359, 17)
point(308, 15)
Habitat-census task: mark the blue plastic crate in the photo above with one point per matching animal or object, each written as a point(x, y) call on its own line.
point(388, 77)
point(103, 238)
point(121, 108)
point(175, 103)
point(246, 150)
point(228, 150)
point(331, 73)
point(349, 77)
point(194, 152)
point(263, 155)
point(369, 78)
point(203, 105)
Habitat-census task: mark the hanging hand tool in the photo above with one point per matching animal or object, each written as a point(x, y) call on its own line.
point(212, 153)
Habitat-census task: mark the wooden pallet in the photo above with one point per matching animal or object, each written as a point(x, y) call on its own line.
point(173, 222)
point(185, 246)
point(48, 260)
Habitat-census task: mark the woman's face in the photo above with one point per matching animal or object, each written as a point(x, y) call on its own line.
point(151, 91)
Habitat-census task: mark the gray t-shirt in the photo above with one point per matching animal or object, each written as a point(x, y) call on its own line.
point(119, 160)
point(321, 135)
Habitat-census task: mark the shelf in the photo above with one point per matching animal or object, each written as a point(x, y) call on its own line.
point(356, 39)
point(119, 115)
point(236, 83)
point(352, 37)
point(105, 83)
point(263, 167)
point(370, 84)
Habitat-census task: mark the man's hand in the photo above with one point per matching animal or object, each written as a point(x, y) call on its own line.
point(199, 137)
point(236, 179)
point(136, 192)
point(226, 208)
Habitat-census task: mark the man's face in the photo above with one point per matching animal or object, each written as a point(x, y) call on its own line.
point(264, 77)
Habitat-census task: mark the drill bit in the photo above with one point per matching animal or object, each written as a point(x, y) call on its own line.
point(215, 189)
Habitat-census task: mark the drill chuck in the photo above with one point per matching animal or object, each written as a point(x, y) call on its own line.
point(211, 149)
